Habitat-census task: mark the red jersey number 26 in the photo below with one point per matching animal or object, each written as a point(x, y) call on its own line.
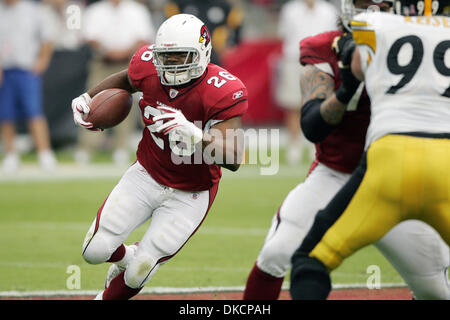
point(220, 81)
point(182, 149)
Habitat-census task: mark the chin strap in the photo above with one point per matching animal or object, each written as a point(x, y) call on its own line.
point(175, 77)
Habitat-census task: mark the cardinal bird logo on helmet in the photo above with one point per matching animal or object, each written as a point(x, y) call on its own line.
point(205, 38)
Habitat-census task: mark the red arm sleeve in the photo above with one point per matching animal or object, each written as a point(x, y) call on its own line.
point(317, 49)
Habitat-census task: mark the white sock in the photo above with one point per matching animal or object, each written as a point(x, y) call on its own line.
point(129, 254)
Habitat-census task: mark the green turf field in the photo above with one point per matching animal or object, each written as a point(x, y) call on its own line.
point(43, 224)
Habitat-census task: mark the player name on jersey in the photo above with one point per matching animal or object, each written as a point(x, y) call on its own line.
point(429, 21)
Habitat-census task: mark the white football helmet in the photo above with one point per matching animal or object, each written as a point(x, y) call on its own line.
point(182, 33)
point(348, 10)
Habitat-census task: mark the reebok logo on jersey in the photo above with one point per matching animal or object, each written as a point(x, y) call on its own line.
point(173, 93)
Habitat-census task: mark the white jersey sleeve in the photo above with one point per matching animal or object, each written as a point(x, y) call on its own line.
point(406, 63)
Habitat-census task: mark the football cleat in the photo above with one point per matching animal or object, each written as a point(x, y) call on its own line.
point(114, 270)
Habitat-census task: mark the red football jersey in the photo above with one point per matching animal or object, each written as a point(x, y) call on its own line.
point(343, 148)
point(215, 96)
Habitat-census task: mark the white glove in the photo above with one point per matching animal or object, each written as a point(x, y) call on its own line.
point(80, 108)
point(178, 123)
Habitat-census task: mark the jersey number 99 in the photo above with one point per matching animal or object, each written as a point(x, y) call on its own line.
point(409, 70)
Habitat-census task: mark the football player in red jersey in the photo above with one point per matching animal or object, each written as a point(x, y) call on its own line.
point(188, 106)
point(338, 130)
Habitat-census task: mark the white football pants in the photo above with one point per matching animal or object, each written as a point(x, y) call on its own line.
point(416, 250)
point(175, 216)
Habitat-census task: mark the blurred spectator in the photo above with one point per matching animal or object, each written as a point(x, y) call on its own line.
point(25, 52)
point(157, 10)
point(260, 20)
point(115, 29)
point(68, 70)
point(223, 20)
point(298, 19)
point(65, 18)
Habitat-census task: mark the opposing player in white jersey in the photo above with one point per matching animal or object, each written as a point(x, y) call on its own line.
point(404, 173)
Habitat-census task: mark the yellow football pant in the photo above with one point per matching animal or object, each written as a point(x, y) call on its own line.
point(406, 178)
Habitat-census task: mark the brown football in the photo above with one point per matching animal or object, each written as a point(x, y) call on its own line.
point(109, 108)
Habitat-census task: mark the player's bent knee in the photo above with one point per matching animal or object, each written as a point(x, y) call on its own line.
point(96, 251)
point(139, 271)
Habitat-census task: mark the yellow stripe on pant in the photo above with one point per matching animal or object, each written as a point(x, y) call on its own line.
point(406, 178)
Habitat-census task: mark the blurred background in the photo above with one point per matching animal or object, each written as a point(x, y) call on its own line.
point(77, 43)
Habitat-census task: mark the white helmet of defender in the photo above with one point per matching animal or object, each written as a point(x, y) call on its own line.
point(182, 33)
point(348, 10)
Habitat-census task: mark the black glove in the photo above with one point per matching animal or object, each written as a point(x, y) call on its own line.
point(344, 46)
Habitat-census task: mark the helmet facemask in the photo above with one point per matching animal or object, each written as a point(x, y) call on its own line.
point(177, 73)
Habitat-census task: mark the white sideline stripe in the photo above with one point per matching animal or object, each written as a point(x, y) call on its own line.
point(169, 267)
point(73, 172)
point(169, 290)
point(64, 172)
point(207, 230)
